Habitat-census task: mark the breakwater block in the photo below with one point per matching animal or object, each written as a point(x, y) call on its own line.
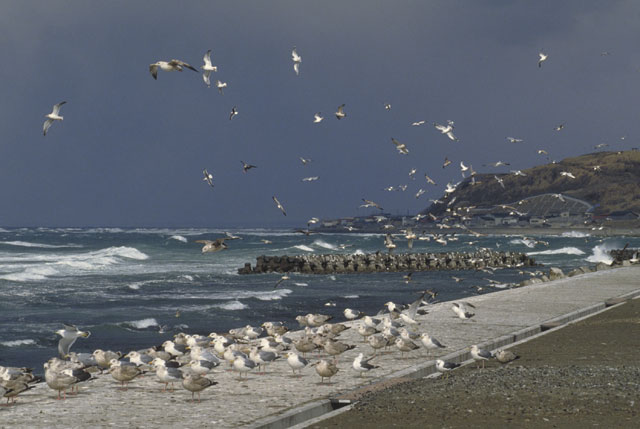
point(384, 262)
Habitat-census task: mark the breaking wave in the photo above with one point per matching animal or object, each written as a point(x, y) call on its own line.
point(564, 250)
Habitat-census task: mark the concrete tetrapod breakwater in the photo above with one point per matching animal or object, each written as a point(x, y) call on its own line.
point(385, 262)
point(279, 399)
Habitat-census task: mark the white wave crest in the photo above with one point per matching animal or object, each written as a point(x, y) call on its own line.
point(178, 238)
point(187, 277)
point(351, 296)
point(324, 244)
point(358, 252)
point(39, 245)
point(30, 274)
point(232, 305)
point(17, 343)
point(301, 284)
point(564, 250)
point(142, 324)
point(272, 296)
point(575, 234)
point(305, 248)
point(600, 253)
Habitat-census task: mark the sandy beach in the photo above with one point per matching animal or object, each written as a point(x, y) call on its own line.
point(253, 400)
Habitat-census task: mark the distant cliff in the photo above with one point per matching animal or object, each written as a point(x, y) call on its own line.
point(608, 180)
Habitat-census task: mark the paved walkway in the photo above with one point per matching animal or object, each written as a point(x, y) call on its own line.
point(259, 398)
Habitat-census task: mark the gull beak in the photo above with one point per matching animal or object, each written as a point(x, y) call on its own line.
point(85, 334)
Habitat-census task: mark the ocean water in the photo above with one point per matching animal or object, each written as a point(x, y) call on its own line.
point(126, 286)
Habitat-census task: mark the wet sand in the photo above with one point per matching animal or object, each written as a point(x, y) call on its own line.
point(584, 375)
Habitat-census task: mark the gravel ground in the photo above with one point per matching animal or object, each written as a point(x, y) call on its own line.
point(584, 375)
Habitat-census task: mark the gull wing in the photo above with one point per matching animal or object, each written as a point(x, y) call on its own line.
point(46, 126)
point(413, 308)
point(56, 108)
point(153, 69)
point(207, 58)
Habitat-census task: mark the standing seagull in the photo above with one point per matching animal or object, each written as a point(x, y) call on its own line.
point(297, 59)
point(208, 68)
point(275, 200)
point(479, 354)
point(173, 65)
point(542, 58)
point(362, 365)
point(340, 113)
point(53, 116)
point(69, 335)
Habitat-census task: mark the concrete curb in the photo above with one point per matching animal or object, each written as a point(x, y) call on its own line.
point(314, 412)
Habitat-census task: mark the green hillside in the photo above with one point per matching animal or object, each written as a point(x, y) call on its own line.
point(615, 186)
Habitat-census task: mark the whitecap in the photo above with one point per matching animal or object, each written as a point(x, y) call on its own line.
point(575, 234)
point(38, 245)
point(351, 296)
point(305, 248)
point(600, 253)
point(301, 284)
point(187, 277)
point(142, 324)
point(232, 305)
point(272, 296)
point(564, 250)
point(30, 274)
point(358, 252)
point(178, 238)
point(17, 343)
point(324, 244)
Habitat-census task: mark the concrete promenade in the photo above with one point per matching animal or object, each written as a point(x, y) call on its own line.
point(262, 400)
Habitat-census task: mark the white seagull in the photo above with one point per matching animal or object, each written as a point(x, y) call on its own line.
point(275, 200)
point(297, 59)
point(542, 57)
point(402, 148)
point(234, 112)
point(567, 174)
point(317, 118)
point(446, 129)
point(221, 85)
point(173, 65)
point(208, 68)
point(208, 177)
point(514, 140)
point(340, 112)
point(418, 123)
point(500, 181)
point(51, 117)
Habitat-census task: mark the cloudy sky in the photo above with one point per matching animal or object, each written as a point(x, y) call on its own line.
point(131, 150)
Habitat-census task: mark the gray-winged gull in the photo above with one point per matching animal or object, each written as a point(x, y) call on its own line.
point(68, 336)
point(196, 384)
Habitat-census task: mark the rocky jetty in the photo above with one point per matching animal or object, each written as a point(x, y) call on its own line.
point(384, 262)
point(625, 254)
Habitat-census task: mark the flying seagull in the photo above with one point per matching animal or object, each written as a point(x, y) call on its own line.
point(369, 203)
point(446, 129)
point(310, 179)
point(69, 335)
point(173, 65)
point(446, 162)
point(305, 161)
point(246, 167)
point(542, 57)
point(500, 181)
point(208, 177)
point(208, 68)
point(418, 123)
point(567, 174)
point(213, 246)
point(279, 205)
point(297, 59)
point(559, 127)
point(221, 85)
point(402, 148)
point(514, 140)
point(280, 280)
point(429, 179)
point(317, 118)
point(387, 106)
point(340, 113)
point(53, 116)
point(234, 112)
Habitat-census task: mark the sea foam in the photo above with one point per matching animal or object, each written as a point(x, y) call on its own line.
point(142, 324)
point(17, 343)
point(564, 250)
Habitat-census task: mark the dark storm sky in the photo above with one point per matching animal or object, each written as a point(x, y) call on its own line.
point(131, 150)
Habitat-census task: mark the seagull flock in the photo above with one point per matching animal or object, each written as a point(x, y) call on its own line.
point(189, 360)
point(176, 65)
